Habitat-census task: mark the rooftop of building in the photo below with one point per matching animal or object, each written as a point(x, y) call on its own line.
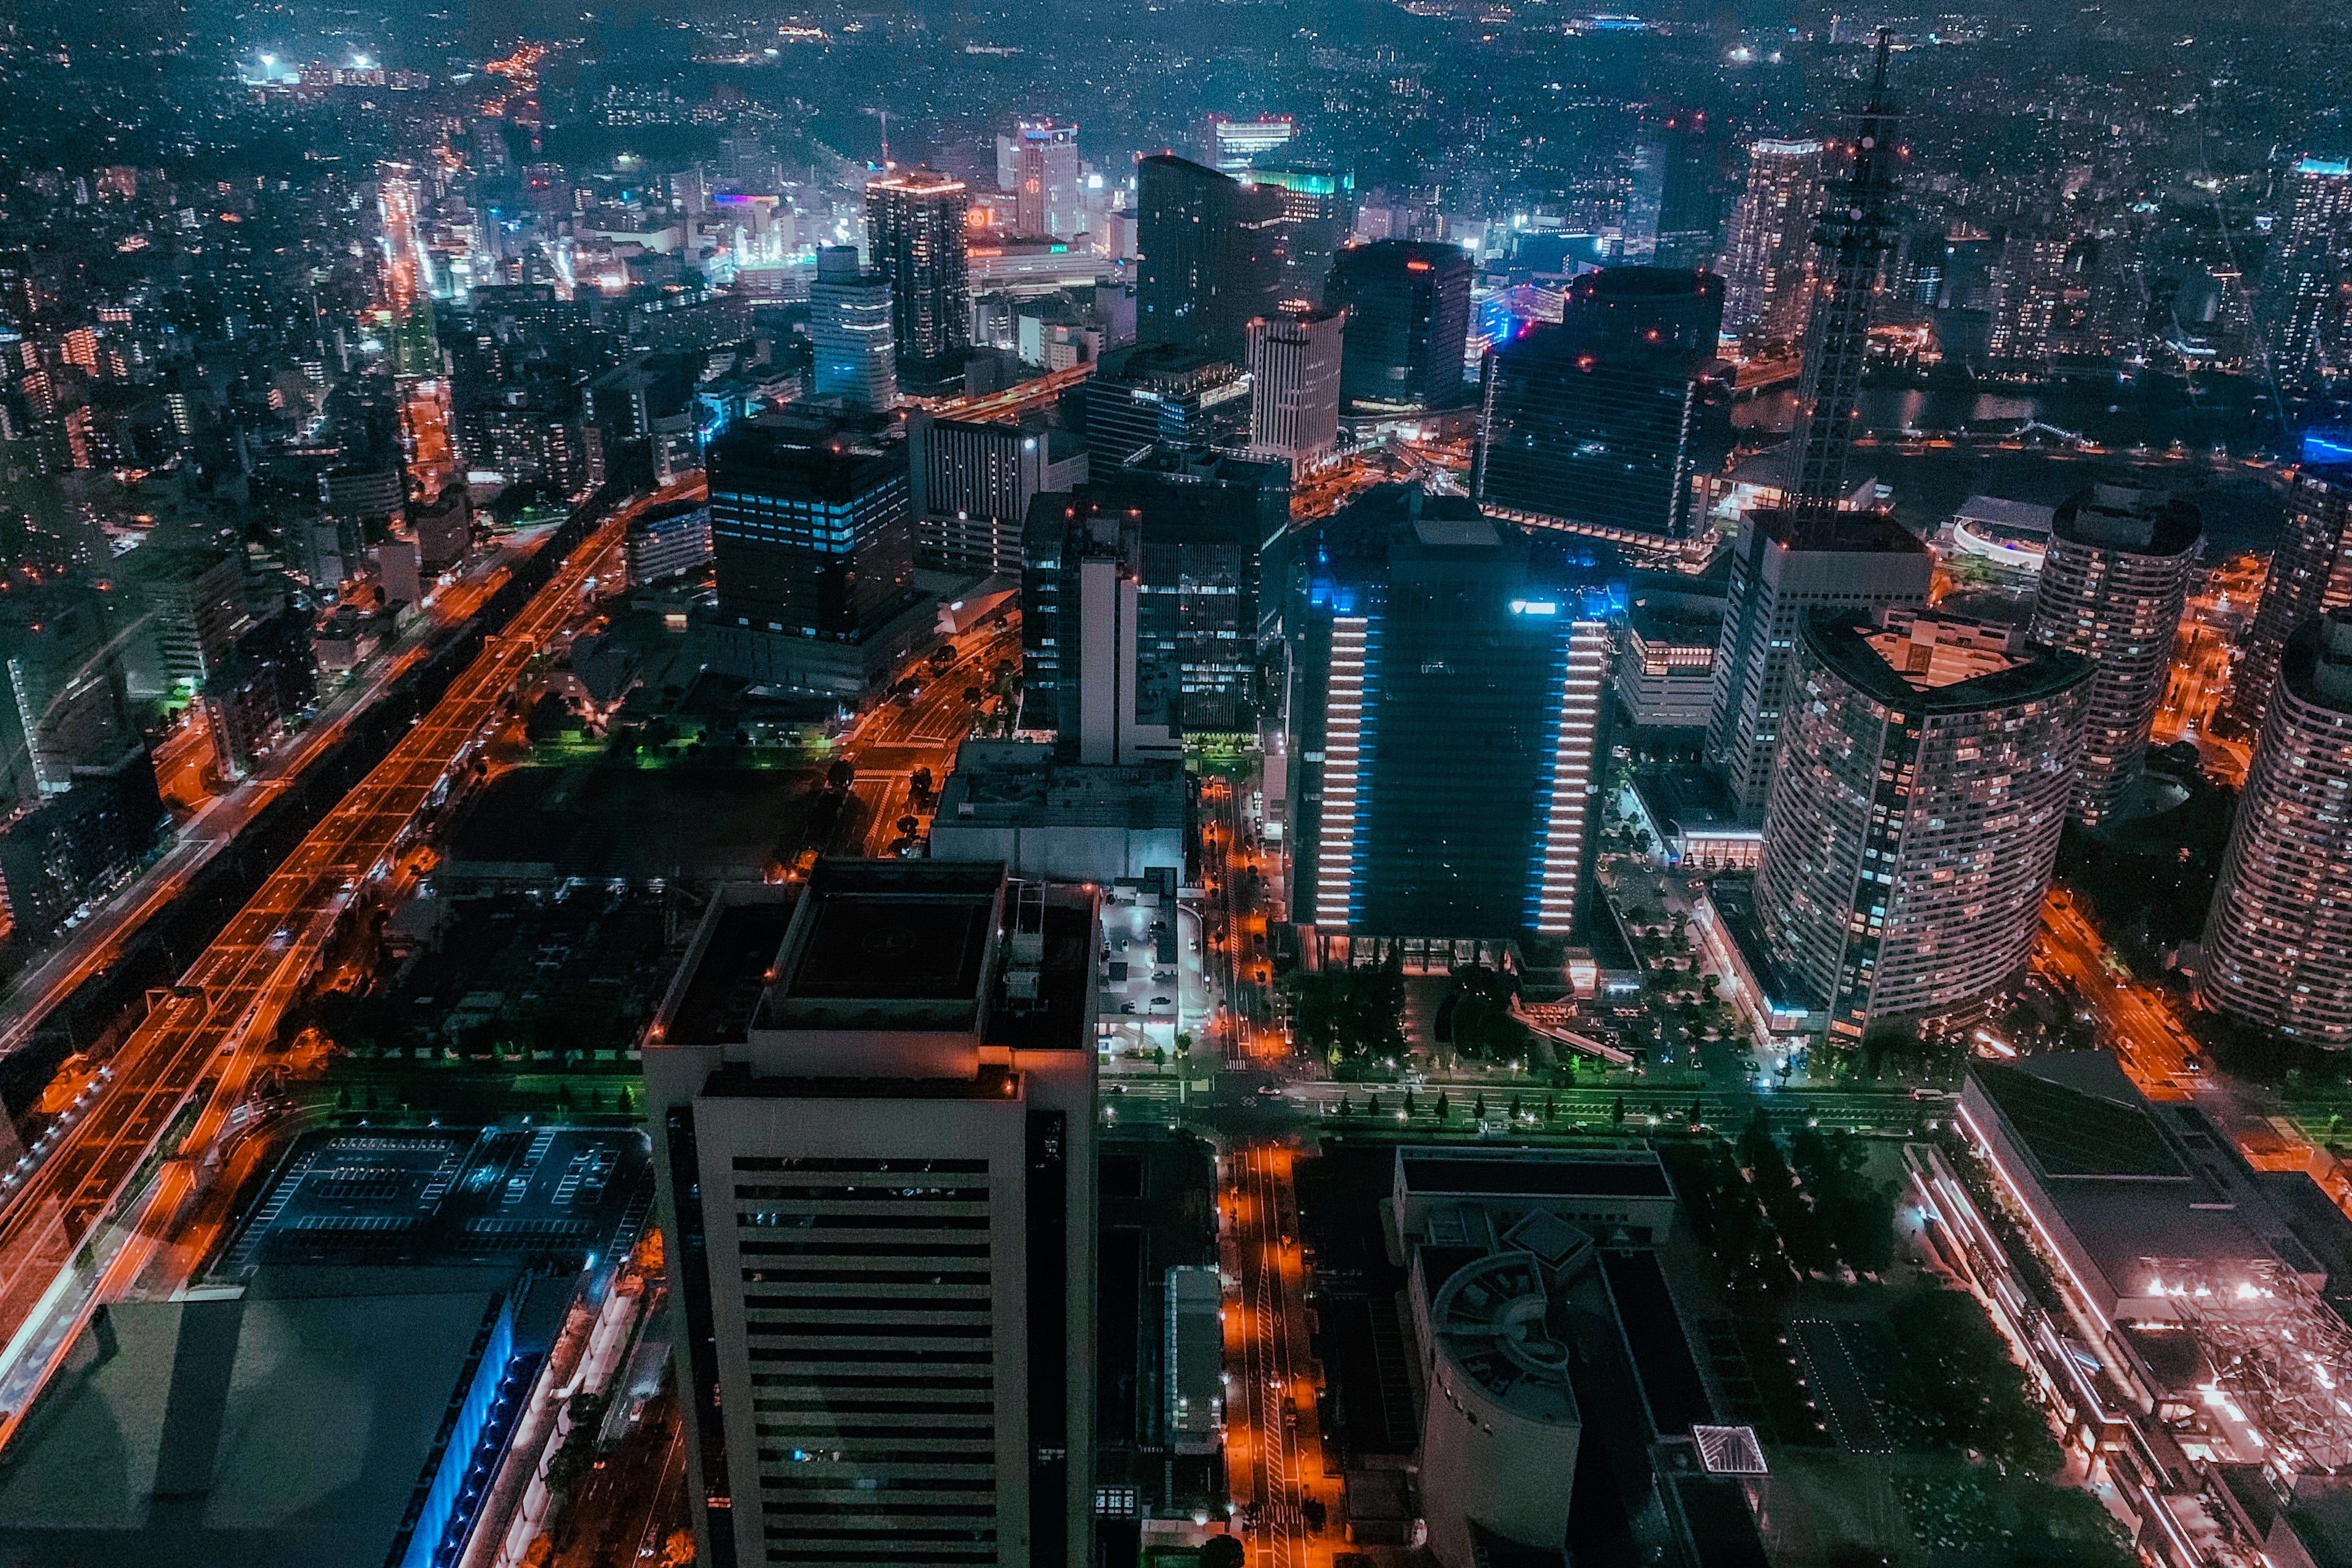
point(1634, 1173)
point(1662, 618)
point(287, 1428)
point(2143, 1188)
point(1961, 667)
point(2316, 664)
point(1022, 784)
point(2136, 519)
point(1689, 800)
point(903, 948)
point(2019, 517)
point(1818, 531)
point(1502, 1325)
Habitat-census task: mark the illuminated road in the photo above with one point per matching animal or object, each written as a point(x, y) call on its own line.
point(99, 940)
point(892, 740)
point(1273, 1447)
point(200, 1044)
point(2134, 1020)
point(1234, 939)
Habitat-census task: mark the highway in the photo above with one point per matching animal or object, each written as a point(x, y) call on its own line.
point(100, 941)
point(200, 1044)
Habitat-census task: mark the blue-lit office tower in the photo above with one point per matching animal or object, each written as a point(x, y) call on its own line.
point(1689, 161)
point(1604, 419)
point(1408, 325)
point(814, 542)
point(1449, 675)
point(1213, 256)
point(850, 329)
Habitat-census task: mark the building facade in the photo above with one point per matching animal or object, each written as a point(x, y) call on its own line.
point(872, 1107)
point(1767, 257)
point(1211, 257)
point(1408, 304)
point(1925, 772)
point(971, 485)
point(2310, 575)
point(1294, 365)
point(2278, 943)
point(1421, 628)
point(915, 237)
point(1784, 566)
point(2112, 588)
point(850, 327)
point(1606, 419)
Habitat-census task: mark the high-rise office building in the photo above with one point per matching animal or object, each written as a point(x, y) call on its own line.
point(1690, 199)
point(971, 483)
point(814, 553)
point(1048, 182)
point(1213, 256)
point(2310, 289)
point(1318, 208)
point(2112, 587)
point(1604, 419)
point(2310, 574)
point(1767, 257)
point(1784, 566)
point(1230, 145)
point(1916, 813)
point(850, 329)
point(1422, 629)
point(1857, 230)
point(1201, 533)
point(1408, 325)
point(915, 237)
point(872, 1106)
point(1158, 395)
point(183, 602)
point(2278, 943)
point(1294, 365)
point(63, 698)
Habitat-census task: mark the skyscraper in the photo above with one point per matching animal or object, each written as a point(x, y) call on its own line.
point(2112, 587)
point(1690, 202)
point(971, 484)
point(814, 553)
point(1916, 813)
point(2311, 573)
point(1785, 565)
point(915, 236)
point(1319, 207)
point(1427, 633)
point(1856, 231)
point(1048, 185)
point(872, 1107)
point(63, 701)
point(1199, 532)
point(849, 326)
point(2310, 290)
point(1212, 256)
point(1294, 365)
point(2278, 943)
point(1603, 419)
point(1408, 325)
point(1767, 257)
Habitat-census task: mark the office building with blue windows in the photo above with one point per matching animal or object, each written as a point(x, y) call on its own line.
point(814, 540)
point(1448, 704)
